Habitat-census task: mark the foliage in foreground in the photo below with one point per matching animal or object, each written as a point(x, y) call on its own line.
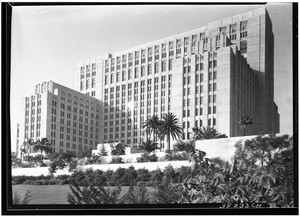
point(93, 194)
point(266, 178)
point(25, 200)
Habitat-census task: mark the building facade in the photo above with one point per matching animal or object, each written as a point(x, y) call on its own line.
point(211, 76)
point(69, 119)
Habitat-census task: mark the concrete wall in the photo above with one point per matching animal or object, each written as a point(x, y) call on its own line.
point(223, 148)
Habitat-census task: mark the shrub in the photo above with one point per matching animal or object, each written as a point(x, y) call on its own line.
point(28, 182)
point(181, 146)
point(167, 193)
point(172, 155)
point(38, 182)
point(25, 200)
point(147, 158)
point(136, 195)
point(93, 194)
point(156, 176)
point(143, 175)
point(73, 165)
point(116, 160)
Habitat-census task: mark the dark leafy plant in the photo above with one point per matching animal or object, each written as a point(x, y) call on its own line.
point(149, 146)
point(180, 146)
point(172, 155)
point(136, 195)
point(117, 160)
point(93, 194)
point(143, 175)
point(253, 177)
point(167, 193)
point(118, 149)
point(147, 158)
point(25, 200)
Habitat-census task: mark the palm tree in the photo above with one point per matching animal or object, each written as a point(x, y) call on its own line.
point(149, 146)
point(245, 121)
point(207, 133)
point(42, 145)
point(151, 126)
point(26, 147)
point(170, 127)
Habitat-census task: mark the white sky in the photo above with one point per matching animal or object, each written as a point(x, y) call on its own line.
point(48, 42)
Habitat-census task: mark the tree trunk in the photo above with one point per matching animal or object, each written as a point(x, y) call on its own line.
point(168, 141)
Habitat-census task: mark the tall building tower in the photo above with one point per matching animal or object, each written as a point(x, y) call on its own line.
point(211, 76)
point(69, 119)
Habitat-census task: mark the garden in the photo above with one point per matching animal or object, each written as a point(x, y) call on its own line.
point(261, 172)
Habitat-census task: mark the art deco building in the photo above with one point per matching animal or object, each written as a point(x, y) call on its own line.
point(69, 119)
point(211, 76)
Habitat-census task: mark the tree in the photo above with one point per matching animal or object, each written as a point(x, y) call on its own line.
point(42, 145)
point(170, 127)
point(207, 133)
point(103, 151)
point(151, 126)
point(26, 147)
point(149, 146)
point(118, 149)
point(245, 121)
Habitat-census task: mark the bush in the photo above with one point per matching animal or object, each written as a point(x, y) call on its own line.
point(181, 146)
point(38, 182)
point(25, 200)
point(172, 155)
point(73, 165)
point(116, 160)
point(143, 175)
point(147, 158)
point(28, 182)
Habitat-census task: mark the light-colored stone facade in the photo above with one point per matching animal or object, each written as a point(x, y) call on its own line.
point(69, 119)
point(211, 76)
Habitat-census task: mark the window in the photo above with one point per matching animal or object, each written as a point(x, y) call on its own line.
point(149, 69)
point(81, 85)
point(129, 74)
point(112, 78)
point(106, 80)
point(210, 64)
point(93, 82)
point(209, 111)
point(142, 71)
point(87, 84)
point(214, 121)
point(170, 64)
point(163, 66)
point(214, 109)
point(209, 99)
point(123, 75)
point(215, 86)
point(201, 77)
point(136, 72)
point(156, 67)
point(210, 87)
point(215, 98)
point(215, 75)
point(210, 76)
point(118, 77)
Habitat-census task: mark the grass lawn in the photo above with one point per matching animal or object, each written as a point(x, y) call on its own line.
point(51, 194)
